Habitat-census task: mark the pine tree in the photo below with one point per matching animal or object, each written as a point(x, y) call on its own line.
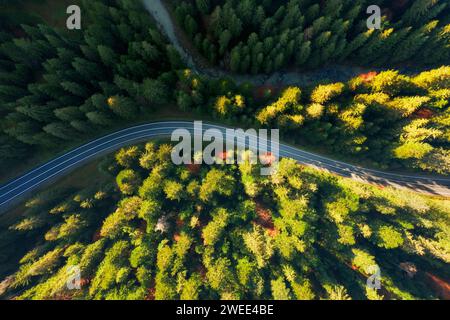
point(155, 92)
point(87, 69)
point(235, 25)
point(408, 47)
point(82, 126)
point(99, 118)
point(312, 13)
point(68, 113)
point(235, 60)
point(303, 54)
point(259, 16)
point(174, 57)
point(38, 113)
point(107, 55)
point(190, 26)
point(333, 8)
point(75, 88)
point(356, 43)
point(203, 6)
point(224, 40)
point(279, 290)
point(61, 130)
point(123, 107)
point(390, 43)
point(260, 245)
point(422, 11)
point(279, 60)
point(435, 50)
point(128, 181)
point(11, 93)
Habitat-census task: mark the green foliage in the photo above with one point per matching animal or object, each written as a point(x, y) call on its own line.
point(173, 190)
point(128, 181)
point(260, 245)
point(308, 235)
point(279, 290)
point(324, 93)
point(126, 157)
point(362, 259)
point(224, 231)
point(387, 118)
point(262, 37)
point(219, 275)
point(216, 182)
point(112, 268)
point(64, 87)
point(390, 82)
point(213, 231)
point(289, 100)
point(337, 293)
point(412, 149)
point(388, 237)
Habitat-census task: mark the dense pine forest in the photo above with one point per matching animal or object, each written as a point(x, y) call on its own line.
point(389, 119)
point(265, 36)
point(161, 231)
point(55, 87)
point(59, 87)
point(141, 227)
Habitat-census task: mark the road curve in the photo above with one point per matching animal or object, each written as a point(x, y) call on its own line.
point(14, 191)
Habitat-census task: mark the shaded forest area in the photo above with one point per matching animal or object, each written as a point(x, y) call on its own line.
point(250, 36)
point(56, 88)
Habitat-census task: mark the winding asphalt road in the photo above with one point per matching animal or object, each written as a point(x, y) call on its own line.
point(14, 191)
